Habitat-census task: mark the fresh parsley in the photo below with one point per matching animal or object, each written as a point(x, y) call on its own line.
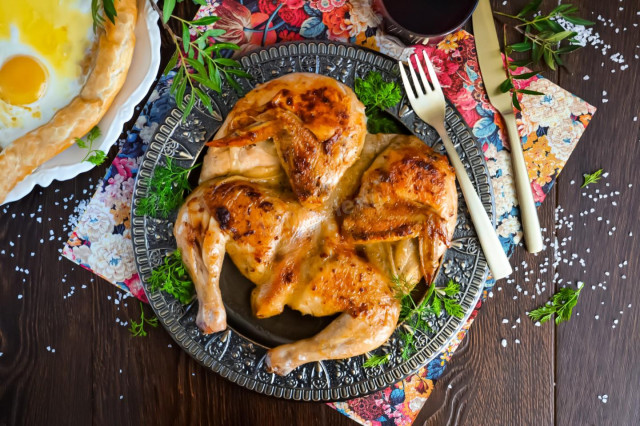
point(172, 278)
point(376, 361)
point(378, 95)
point(93, 156)
point(561, 304)
point(545, 41)
point(166, 190)
point(592, 178)
point(137, 327)
point(414, 315)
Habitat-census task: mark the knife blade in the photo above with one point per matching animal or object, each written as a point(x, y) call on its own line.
point(493, 74)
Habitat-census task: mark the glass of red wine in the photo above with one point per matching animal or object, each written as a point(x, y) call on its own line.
point(417, 21)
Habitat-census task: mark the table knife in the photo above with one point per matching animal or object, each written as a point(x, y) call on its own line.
point(493, 74)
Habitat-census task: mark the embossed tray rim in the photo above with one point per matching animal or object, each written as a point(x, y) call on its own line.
point(435, 344)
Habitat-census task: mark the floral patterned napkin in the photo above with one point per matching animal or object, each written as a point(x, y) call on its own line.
point(550, 127)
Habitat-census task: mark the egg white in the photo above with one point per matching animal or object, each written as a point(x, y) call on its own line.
point(16, 121)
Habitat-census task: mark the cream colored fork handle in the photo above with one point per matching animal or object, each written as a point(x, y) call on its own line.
point(528, 213)
point(491, 246)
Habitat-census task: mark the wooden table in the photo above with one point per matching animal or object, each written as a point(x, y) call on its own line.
point(65, 360)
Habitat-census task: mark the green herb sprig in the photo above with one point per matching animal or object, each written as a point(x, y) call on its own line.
point(172, 278)
point(137, 327)
point(93, 156)
point(414, 316)
point(201, 65)
point(100, 7)
point(545, 41)
point(167, 187)
point(376, 361)
point(378, 95)
point(592, 178)
point(561, 304)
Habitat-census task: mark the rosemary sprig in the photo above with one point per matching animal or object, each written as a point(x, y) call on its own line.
point(137, 327)
point(93, 156)
point(592, 178)
point(166, 190)
point(561, 304)
point(100, 9)
point(172, 278)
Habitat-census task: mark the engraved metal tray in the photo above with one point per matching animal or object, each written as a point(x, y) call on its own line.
point(238, 353)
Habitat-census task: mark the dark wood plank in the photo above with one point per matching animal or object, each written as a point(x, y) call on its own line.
point(595, 359)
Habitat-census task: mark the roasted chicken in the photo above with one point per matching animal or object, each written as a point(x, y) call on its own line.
point(324, 236)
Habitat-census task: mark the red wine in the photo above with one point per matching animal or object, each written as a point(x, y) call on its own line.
point(429, 17)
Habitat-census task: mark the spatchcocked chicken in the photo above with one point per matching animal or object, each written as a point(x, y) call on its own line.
point(319, 218)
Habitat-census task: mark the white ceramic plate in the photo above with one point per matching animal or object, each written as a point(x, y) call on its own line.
point(144, 68)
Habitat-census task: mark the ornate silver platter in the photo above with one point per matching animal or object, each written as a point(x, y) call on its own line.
point(238, 352)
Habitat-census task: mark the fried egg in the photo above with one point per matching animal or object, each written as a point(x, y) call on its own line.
point(45, 48)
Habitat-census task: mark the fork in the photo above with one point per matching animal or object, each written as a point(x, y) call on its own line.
point(428, 103)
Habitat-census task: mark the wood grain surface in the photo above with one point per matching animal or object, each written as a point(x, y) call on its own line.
point(66, 358)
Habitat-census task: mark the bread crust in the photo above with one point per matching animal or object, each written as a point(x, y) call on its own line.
point(113, 58)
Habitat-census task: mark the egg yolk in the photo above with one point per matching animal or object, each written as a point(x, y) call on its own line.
point(23, 80)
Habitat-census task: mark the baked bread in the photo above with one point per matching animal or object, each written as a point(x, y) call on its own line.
point(110, 66)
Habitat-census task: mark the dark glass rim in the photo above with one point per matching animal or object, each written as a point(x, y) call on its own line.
point(459, 24)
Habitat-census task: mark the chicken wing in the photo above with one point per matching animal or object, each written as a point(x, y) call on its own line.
point(409, 191)
point(317, 125)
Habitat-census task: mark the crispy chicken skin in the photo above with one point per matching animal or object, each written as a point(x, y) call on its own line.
point(295, 256)
point(317, 126)
point(276, 204)
point(409, 191)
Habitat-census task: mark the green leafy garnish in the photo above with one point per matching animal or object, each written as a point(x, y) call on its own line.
point(434, 302)
point(137, 327)
point(545, 42)
point(561, 304)
point(201, 65)
point(166, 190)
point(94, 156)
point(100, 7)
point(376, 361)
point(378, 95)
point(592, 178)
point(172, 277)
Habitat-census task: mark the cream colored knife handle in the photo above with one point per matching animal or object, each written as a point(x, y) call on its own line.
point(491, 245)
point(528, 213)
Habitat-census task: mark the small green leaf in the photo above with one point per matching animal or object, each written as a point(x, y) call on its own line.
point(592, 178)
point(561, 36)
point(197, 66)
point(97, 158)
point(180, 92)
point(530, 7)
point(110, 10)
point(206, 82)
point(505, 86)
point(239, 72)
point(530, 92)
point(172, 63)
point(207, 20)
point(189, 107)
point(578, 21)
point(167, 10)
point(376, 361)
point(186, 38)
point(525, 76)
point(227, 62)
point(81, 143)
point(200, 2)
point(548, 59)
point(516, 104)
point(204, 98)
point(521, 47)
